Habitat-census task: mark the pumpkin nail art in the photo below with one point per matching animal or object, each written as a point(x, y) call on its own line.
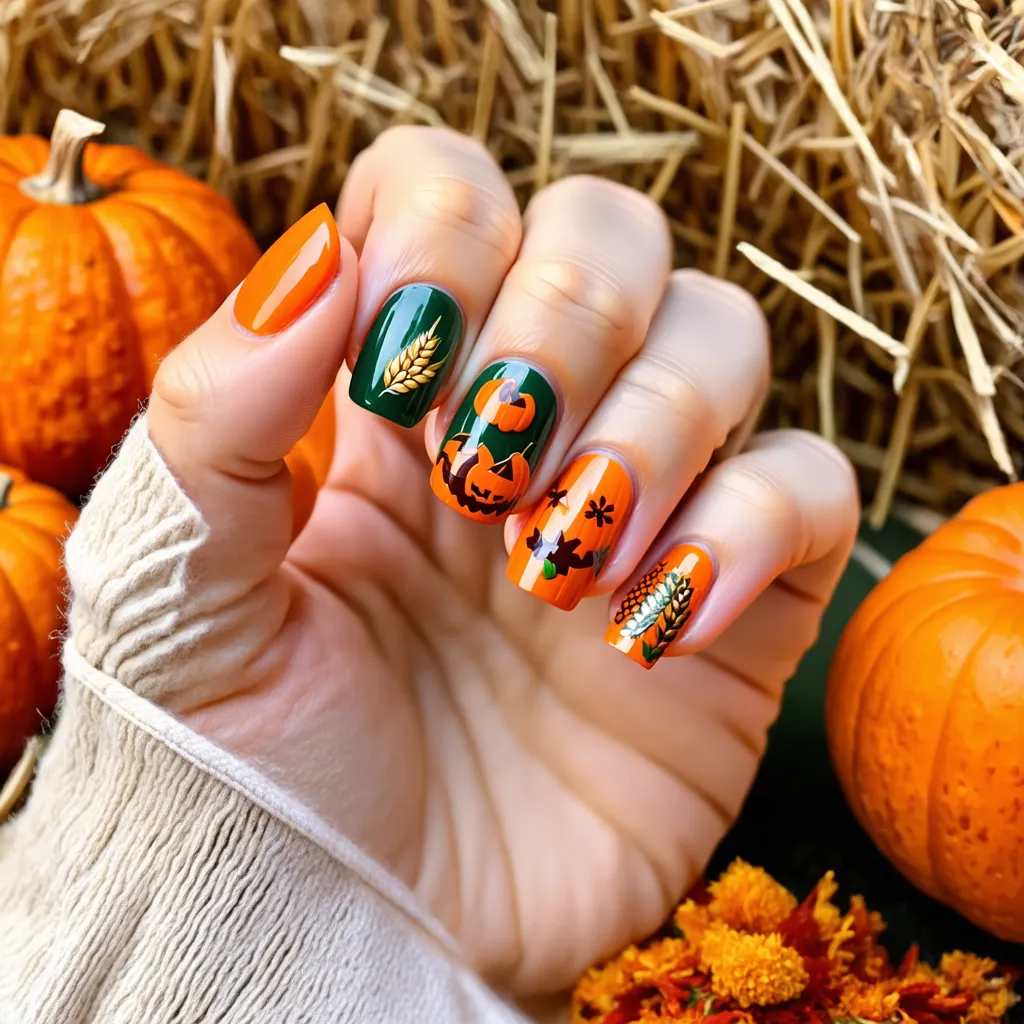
point(495, 441)
point(290, 275)
point(566, 542)
point(407, 354)
point(658, 608)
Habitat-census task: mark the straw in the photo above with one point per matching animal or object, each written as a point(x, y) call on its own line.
point(859, 167)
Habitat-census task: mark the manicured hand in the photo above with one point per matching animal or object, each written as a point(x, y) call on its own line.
point(541, 411)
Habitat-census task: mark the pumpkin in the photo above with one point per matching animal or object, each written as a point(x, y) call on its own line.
point(309, 463)
point(33, 524)
point(500, 402)
point(474, 482)
point(925, 713)
point(109, 258)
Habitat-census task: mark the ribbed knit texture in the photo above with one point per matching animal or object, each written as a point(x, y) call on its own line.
point(154, 878)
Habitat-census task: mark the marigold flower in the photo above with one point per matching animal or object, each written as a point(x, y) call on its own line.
point(871, 1001)
point(826, 913)
point(966, 972)
point(752, 954)
point(752, 969)
point(749, 899)
point(692, 919)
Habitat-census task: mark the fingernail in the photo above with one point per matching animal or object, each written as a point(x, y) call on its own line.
point(495, 441)
point(566, 542)
point(659, 607)
point(290, 275)
point(407, 354)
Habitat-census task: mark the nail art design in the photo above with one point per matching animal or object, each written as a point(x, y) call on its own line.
point(660, 605)
point(566, 542)
point(290, 275)
point(495, 441)
point(407, 354)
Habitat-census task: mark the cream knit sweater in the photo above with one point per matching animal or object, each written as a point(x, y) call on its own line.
point(152, 877)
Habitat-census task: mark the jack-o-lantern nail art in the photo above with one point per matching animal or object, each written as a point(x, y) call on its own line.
point(407, 354)
point(660, 606)
point(495, 441)
point(566, 542)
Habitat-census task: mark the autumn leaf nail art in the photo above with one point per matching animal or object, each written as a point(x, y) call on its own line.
point(568, 538)
point(660, 605)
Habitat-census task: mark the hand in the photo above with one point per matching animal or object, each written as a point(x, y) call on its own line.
point(544, 796)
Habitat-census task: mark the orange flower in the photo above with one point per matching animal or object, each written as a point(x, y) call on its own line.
point(966, 972)
point(732, 965)
point(754, 970)
point(749, 899)
point(692, 920)
point(870, 1001)
point(826, 913)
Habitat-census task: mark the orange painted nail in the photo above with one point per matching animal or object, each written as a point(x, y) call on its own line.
point(661, 604)
point(567, 540)
point(290, 275)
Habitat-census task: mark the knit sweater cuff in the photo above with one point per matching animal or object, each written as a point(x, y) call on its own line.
point(152, 875)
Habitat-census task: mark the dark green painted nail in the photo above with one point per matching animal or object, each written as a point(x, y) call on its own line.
point(495, 441)
point(407, 354)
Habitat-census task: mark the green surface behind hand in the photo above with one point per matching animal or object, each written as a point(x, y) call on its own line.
point(796, 823)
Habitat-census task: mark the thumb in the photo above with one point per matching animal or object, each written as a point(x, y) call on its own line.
point(232, 399)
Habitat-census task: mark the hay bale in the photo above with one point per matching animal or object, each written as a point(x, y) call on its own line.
point(856, 164)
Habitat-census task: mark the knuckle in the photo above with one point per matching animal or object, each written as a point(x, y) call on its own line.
point(743, 320)
point(673, 393)
point(186, 382)
point(587, 192)
point(579, 291)
point(748, 481)
point(832, 469)
point(471, 209)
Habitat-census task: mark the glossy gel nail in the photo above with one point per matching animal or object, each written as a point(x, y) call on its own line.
point(407, 354)
point(566, 542)
point(291, 275)
point(495, 441)
point(659, 607)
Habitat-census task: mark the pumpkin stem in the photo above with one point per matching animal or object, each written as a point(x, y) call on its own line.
point(6, 483)
point(63, 180)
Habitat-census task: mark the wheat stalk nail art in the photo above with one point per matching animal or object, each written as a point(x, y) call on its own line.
point(412, 367)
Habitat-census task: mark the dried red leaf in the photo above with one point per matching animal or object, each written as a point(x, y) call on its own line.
point(923, 1016)
point(800, 930)
point(627, 1006)
point(726, 1017)
point(909, 961)
point(699, 894)
point(918, 991)
point(951, 1005)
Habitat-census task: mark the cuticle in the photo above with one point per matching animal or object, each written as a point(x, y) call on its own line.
point(701, 543)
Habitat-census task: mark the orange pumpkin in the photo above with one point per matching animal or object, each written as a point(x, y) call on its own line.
point(925, 713)
point(109, 259)
point(309, 463)
point(500, 402)
point(472, 481)
point(33, 525)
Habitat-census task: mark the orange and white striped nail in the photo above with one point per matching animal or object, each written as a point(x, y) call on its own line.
point(659, 607)
point(568, 538)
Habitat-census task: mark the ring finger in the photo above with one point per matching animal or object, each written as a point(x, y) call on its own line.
point(571, 312)
point(698, 381)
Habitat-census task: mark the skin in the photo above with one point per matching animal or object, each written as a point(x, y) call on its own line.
point(544, 796)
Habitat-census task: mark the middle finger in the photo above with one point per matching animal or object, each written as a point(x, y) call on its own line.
point(574, 308)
